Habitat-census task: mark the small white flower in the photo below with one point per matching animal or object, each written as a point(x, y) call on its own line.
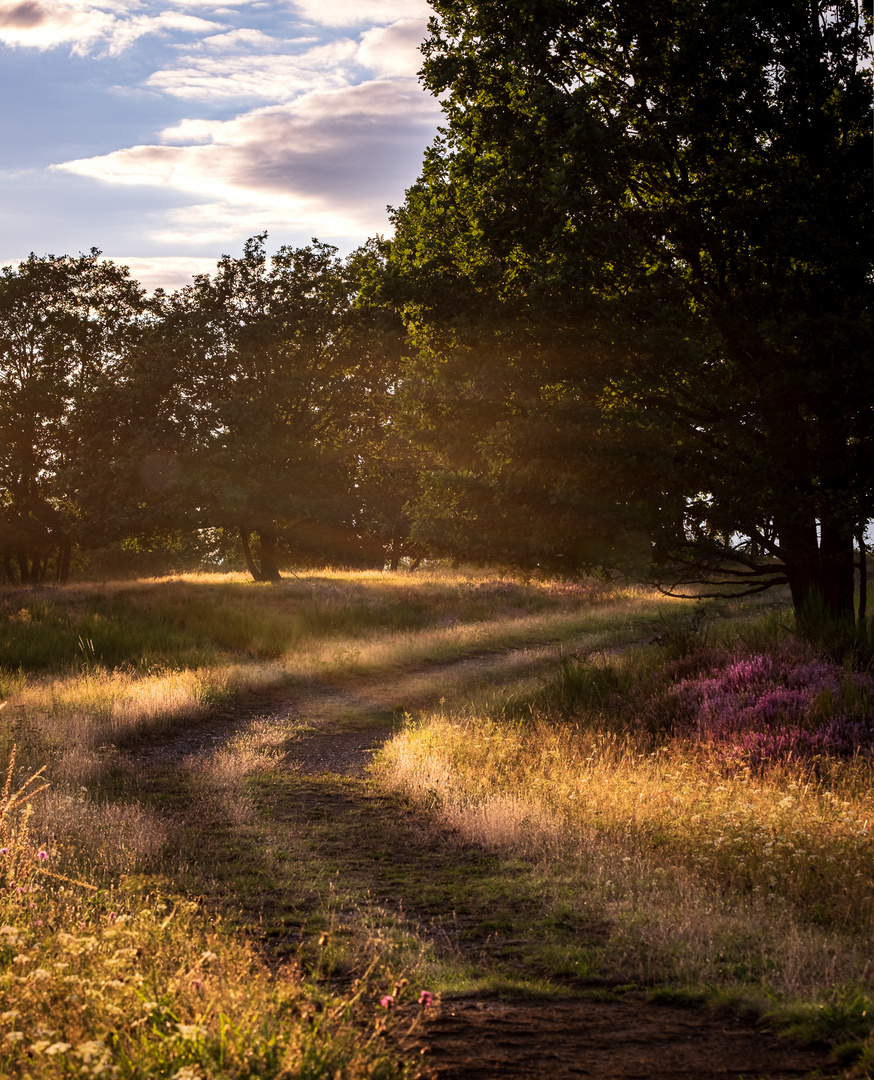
point(90, 1050)
point(191, 1031)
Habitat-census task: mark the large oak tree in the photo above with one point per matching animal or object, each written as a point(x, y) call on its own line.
point(270, 384)
point(640, 258)
point(67, 325)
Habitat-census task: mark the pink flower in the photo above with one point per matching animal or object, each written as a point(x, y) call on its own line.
point(387, 1002)
point(43, 855)
point(197, 984)
point(4, 850)
point(112, 916)
point(425, 999)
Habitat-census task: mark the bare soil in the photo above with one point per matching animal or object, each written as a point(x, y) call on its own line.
point(488, 1039)
point(486, 1036)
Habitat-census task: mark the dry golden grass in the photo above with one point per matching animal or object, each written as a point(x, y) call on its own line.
point(76, 719)
point(112, 982)
point(704, 876)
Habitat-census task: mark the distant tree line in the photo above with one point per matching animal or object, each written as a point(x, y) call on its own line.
point(625, 321)
point(250, 408)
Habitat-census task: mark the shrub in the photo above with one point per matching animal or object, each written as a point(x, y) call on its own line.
point(792, 703)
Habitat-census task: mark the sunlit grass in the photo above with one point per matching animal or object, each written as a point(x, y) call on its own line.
point(706, 877)
point(110, 980)
point(702, 877)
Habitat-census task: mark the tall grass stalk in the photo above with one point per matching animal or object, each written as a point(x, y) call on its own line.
point(705, 877)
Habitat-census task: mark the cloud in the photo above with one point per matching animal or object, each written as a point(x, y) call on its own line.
point(328, 161)
point(345, 13)
point(45, 26)
point(244, 38)
point(126, 31)
point(393, 50)
point(164, 271)
point(248, 64)
point(22, 16)
point(83, 26)
point(276, 77)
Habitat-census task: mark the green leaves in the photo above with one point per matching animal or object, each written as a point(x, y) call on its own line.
point(667, 207)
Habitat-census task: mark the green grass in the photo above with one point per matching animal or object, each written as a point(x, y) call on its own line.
point(463, 864)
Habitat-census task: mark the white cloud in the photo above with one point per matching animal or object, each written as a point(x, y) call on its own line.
point(244, 38)
point(164, 271)
point(360, 12)
point(40, 25)
point(127, 31)
point(393, 50)
point(328, 162)
point(44, 26)
point(276, 77)
point(224, 66)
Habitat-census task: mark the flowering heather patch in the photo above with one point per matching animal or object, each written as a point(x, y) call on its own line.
point(763, 707)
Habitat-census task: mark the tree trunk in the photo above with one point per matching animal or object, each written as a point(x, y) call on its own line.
point(269, 567)
point(395, 552)
point(863, 578)
point(821, 574)
point(247, 552)
point(798, 549)
point(65, 552)
point(836, 573)
point(23, 566)
point(10, 570)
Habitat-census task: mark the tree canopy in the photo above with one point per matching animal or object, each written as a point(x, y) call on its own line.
point(639, 256)
point(625, 320)
point(66, 328)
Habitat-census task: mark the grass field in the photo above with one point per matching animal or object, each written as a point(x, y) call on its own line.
point(551, 814)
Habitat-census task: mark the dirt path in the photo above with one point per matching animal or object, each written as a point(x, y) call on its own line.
point(488, 1039)
point(333, 731)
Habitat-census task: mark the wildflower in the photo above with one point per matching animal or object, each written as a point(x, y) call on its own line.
point(425, 999)
point(387, 1002)
point(197, 984)
point(4, 850)
point(90, 1050)
point(187, 1072)
point(57, 1048)
point(191, 1031)
point(42, 855)
point(112, 916)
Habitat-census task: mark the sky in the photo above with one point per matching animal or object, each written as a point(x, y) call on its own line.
point(166, 132)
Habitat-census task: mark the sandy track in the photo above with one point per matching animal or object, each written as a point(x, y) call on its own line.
point(334, 729)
